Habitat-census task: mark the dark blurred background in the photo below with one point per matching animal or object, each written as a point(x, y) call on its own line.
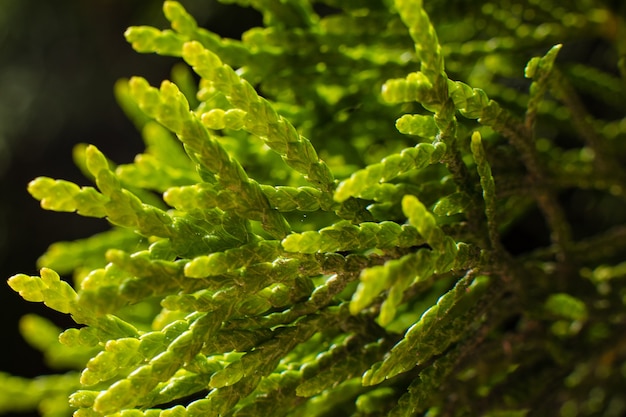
point(58, 63)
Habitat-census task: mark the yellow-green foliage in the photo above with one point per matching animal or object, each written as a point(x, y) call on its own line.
point(322, 224)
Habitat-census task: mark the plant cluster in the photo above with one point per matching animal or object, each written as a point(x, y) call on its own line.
point(281, 248)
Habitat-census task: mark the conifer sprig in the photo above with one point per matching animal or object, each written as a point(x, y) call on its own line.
point(322, 223)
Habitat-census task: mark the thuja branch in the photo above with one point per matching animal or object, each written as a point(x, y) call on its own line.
point(337, 214)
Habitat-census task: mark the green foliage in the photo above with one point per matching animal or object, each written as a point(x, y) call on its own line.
point(322, 223)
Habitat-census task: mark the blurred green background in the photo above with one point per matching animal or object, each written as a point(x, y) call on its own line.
point(59, 61)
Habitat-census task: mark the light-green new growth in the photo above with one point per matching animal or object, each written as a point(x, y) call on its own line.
point(316, 227)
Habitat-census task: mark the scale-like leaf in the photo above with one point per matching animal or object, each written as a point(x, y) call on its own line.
point(432, 334)
point(262, 120)
point(49, 289)
point(369, 183)
point(344, 236)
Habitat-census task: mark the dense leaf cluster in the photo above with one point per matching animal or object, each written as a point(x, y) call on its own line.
point(281, 248)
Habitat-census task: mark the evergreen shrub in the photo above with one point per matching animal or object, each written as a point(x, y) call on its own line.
point(362, 208)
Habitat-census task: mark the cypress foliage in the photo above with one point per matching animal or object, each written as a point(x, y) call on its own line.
point(328, 215)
